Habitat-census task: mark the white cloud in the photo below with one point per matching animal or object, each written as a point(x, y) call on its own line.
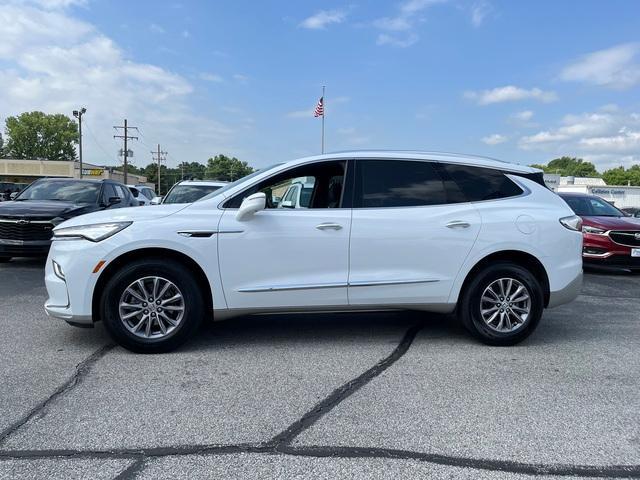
point(155, 28)
point(308, 113)
point(479, 11)
point(240, 78)
point(494, 139)
point(386, 39)
point(510, 93)
point(608, 137)
point(211, 77)
point(616, 67)
point(58, 4)
point(399, 30)
point(323, 18)
point(55, 63)
point(523, 116)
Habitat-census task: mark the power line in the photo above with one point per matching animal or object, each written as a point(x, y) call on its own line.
point(125, 136)
point(159, 156)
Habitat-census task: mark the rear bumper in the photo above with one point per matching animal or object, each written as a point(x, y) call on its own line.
point(566, 294)
point(19, 248)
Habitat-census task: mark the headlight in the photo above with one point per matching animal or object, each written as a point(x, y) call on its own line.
point(94, 233)
point(573, 222)
point(596, 230)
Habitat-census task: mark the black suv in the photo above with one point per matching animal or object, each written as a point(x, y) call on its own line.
point(26, 223)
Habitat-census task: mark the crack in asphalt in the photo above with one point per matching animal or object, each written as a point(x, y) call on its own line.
point(82, 369)
point(281, 443)
point(343, 392)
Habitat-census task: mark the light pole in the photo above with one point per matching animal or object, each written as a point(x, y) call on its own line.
point(78, 114)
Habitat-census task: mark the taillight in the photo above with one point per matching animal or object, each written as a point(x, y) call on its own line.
point(573, 222)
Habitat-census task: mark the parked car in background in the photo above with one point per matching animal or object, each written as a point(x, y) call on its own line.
point(297, 195)
point(611, 237)
point(421, 231)
point(26, 223)
point(632, 212)
point(188, 191)
point(9, 189)
point(142, 193)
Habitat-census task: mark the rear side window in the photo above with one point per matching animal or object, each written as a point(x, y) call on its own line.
point(476, 183)
point(397, 183)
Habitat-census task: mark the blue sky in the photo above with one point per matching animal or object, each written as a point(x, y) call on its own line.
point(521, 81)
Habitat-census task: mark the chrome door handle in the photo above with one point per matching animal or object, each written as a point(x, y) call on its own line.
point(329, 226)
point(458, 224)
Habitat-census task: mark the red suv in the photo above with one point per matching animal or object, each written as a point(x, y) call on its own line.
point(610, 236)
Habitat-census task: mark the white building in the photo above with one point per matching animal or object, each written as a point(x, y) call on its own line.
point(621, 196)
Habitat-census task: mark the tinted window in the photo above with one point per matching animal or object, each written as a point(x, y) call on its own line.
point(68, 191)
point(476, 183)
point(397, 183)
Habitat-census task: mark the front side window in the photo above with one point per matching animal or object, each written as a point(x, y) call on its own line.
point(321, 183)
point(397, 183)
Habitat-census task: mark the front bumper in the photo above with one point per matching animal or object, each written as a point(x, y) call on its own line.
point(601, 250)
point(70, 298)
point(20, 248)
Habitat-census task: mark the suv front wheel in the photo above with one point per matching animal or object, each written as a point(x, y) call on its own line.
point(502, 305)
point(152, 305)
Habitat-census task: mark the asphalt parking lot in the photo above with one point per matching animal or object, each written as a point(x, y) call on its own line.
point(323, 396)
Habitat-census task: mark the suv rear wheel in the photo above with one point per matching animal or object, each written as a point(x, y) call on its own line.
point(152, 305)
point(502, 305)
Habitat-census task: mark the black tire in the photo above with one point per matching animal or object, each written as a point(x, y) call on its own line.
point(469, 306)
point(5, 259)
point(174, 272)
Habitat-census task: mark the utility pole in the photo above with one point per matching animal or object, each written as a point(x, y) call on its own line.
point(78, 114)
point(159, 156)
point(126, 137)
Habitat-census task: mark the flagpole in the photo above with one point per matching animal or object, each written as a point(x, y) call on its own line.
point(324, 113)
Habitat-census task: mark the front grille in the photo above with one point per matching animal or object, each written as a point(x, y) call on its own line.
point(10, 229)
point(628, 239)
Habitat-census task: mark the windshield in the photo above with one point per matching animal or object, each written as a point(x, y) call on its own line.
point(66, 191)
point(188, 193)
point(592, 207)
point(229, 186)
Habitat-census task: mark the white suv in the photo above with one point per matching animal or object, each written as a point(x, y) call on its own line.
point(383, 230)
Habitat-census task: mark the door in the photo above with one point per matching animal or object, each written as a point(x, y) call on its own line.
point(407, 242)
point(288, 257)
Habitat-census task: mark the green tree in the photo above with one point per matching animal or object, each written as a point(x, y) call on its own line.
point(565, 166)
point(1, 145)
point(39, 135)
point(622, 176)
point(227, 169)
point(192, 170)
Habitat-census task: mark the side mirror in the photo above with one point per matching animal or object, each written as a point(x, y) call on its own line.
point(156, 201)
point(287, 204)
point(250, 205)
point(114, 200)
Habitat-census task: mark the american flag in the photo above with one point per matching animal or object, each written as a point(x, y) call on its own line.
point(319, 111)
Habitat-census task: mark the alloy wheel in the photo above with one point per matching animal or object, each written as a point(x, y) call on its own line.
point(505, 305)
point(151, 307)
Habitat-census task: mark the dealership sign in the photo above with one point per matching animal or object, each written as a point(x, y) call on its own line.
point(615, 192)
